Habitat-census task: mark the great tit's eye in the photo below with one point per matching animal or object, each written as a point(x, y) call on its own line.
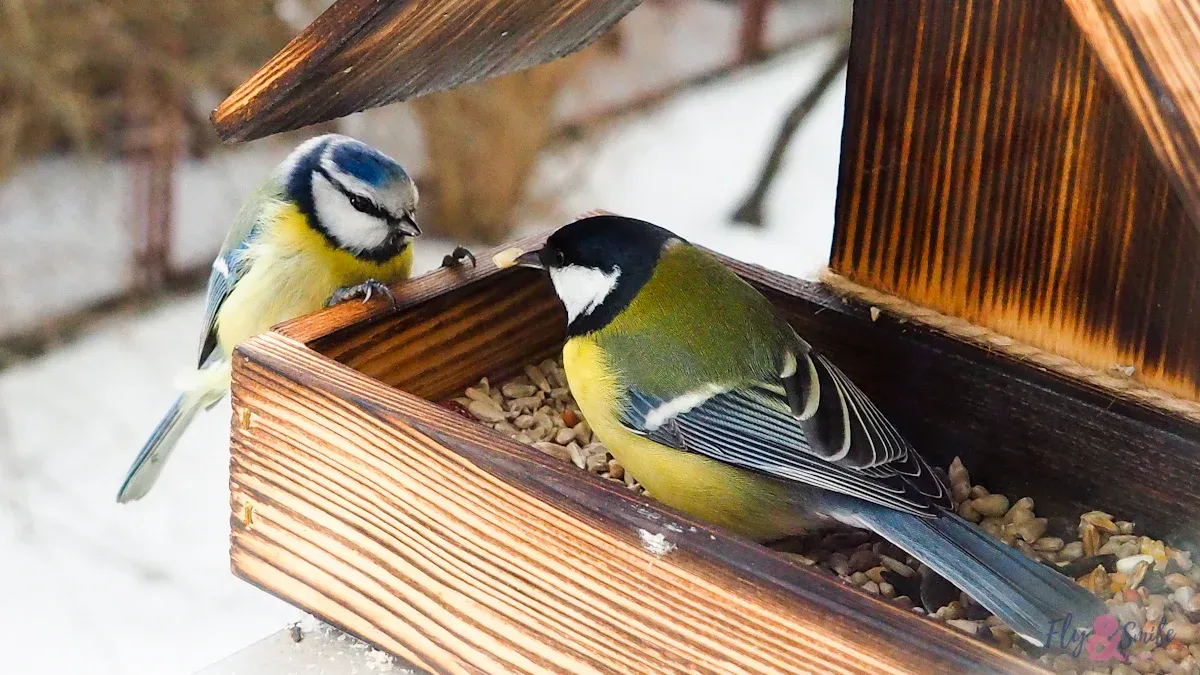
point(559, 259)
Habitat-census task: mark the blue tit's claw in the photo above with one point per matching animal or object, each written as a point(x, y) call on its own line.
point(365, 290)
point(458, 256)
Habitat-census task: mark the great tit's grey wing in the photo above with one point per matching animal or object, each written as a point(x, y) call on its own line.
point(233, 261)
point(812, 425)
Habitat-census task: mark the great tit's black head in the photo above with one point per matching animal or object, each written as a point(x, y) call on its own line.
point(359, 198)
point(599, 264)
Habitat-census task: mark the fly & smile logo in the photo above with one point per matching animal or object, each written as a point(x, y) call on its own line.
point(1103, 641)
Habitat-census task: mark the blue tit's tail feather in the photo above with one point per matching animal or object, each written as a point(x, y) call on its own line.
point(1033, 599)
point(150, 461)
point(203, 390)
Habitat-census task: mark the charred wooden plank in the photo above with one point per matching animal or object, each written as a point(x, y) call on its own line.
point(992, 171)
point(1149, 49)
point(361, 54)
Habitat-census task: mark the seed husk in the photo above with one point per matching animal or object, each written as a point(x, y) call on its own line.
point(969, 627)
point(876, 574)
point(897, 567)
point(554, 450)
point(1090, 538)
point(514, 390)
point(577, 455)
point(538, 378)
point(991, 505)
point(1131, 563)
point(486, 412)
point(1030, 530)
point(968, 512)
point(863, 560)
point(1177, 580)
point(596, 463)
point(1100, 520)
point(476, 394)
point(1134, 579)
point(582, 431)
point(615, 470)
point(1052, 544)
point(1072, 551)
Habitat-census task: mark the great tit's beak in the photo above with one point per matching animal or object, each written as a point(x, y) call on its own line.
point(531, 259)
point(515, 257)
point(408, 225)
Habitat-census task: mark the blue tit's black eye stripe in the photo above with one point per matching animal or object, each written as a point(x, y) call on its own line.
point(359, 202)
point(364, 205)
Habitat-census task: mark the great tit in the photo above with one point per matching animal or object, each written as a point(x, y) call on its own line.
point(334, 220)
point(715, 404)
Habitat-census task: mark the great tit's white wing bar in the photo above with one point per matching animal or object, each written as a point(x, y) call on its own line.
point(754, 428)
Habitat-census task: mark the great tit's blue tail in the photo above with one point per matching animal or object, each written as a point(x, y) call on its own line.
point(1036, 601)
point(208, 386)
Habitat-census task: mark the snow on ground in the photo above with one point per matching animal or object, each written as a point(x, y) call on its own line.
point(87, 586)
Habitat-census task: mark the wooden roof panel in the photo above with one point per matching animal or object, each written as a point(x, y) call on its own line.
point(362, 54)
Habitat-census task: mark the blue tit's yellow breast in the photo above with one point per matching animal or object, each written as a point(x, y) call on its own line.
point(293, 271)
point(733, 498)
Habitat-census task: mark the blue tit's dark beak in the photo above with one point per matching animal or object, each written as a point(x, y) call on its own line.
point(408, 225)
point(531, 259)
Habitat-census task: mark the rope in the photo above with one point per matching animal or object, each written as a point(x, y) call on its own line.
point(1116, 382)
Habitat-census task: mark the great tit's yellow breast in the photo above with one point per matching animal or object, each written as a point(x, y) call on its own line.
point(724, 495)
point(293, 272)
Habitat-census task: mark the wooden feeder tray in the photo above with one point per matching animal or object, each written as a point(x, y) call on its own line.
point(360, 500)
point(1021, 168)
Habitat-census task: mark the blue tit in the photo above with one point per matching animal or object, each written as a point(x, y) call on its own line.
point(714, 403)
point(334, 220)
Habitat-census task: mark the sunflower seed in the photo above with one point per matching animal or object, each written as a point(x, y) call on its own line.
point(486, 412)
point(538, 378)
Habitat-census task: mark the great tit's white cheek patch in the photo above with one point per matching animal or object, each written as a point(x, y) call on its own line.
point(352, 228)
point(583, 289)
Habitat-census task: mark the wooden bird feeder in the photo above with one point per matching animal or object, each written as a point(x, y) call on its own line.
point(1018, 194)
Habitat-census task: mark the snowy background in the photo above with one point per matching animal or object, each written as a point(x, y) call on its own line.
point(87, 586)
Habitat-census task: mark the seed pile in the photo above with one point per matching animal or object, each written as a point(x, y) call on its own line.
point(537, 409)
point(1142, 580)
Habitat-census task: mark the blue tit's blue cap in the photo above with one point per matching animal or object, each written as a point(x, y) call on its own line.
point(367, 164)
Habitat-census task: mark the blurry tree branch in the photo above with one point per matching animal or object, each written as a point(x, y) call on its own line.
point(751, 210)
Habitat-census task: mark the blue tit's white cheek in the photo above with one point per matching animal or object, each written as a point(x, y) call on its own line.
point(583, 289)
point(352, 228)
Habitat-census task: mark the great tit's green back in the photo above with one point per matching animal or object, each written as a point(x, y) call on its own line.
point(705, 324)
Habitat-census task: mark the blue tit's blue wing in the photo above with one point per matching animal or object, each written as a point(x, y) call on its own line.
point(234, 259)
point(811, 425)
point(227, 270)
